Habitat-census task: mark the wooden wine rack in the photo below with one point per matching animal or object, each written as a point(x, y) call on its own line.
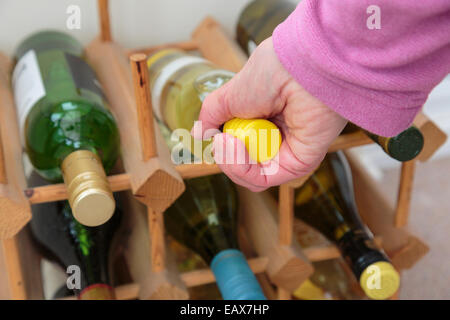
point(273, 253)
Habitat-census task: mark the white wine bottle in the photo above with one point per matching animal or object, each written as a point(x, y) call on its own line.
point(204, 219)
point(326, 202)
point(66, 127)
point(180, 82)
point(330, 281)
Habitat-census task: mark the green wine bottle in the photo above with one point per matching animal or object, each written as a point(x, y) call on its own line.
point(76, 247)
point(403, 147)
point(204, 219)
point(258, 21)
point(66, 128)
point(326, 202)
point(180, 82)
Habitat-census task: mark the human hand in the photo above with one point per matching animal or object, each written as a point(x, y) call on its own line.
point(264, 89)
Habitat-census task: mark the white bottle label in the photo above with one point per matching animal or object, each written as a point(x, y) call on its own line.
point(251, 46)
point(167, 72)
point(27, 85)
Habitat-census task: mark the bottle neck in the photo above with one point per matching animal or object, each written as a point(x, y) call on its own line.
point(359, 251)
point(50, 40)
point(381, 141)
point(98, 291)
point(403, 147)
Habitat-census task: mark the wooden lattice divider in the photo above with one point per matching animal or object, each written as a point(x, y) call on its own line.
point(143, 169)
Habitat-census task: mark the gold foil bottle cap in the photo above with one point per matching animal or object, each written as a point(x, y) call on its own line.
point(89, 194)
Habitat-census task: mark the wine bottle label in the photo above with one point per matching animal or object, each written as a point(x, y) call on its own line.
point(28, 85)
point(83, 75)
point(251, 46)
point(166, 73)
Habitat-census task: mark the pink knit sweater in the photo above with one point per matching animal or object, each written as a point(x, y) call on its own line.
point(373, 67)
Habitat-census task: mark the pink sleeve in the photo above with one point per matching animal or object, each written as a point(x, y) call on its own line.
point(376, 78)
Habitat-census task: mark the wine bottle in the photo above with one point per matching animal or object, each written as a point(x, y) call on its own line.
point(180, 82)
point(332, 279)
point(403, 147)
point(258, 21)
point(187, 261)
point(326, 202)
point(66, 128)
point(70, 243)
point(204, 219)
point(328, 282)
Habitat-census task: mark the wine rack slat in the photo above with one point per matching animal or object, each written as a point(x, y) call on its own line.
point(119, 182)
point(404, 193)
point(103, 12)
point(15, 210)
point(434, 137)
point(286, 201)
point(144, 111)
point(58, 192)
point(189, 45)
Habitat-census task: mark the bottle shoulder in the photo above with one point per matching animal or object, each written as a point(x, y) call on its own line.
point(81, 107)
point(49, 40)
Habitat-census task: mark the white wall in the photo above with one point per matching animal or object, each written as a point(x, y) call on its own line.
point(134, 23)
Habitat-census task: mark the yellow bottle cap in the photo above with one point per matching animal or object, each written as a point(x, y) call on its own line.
point(309, 291)
point(88, 190)
point(262, 138)
point(380, 280)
